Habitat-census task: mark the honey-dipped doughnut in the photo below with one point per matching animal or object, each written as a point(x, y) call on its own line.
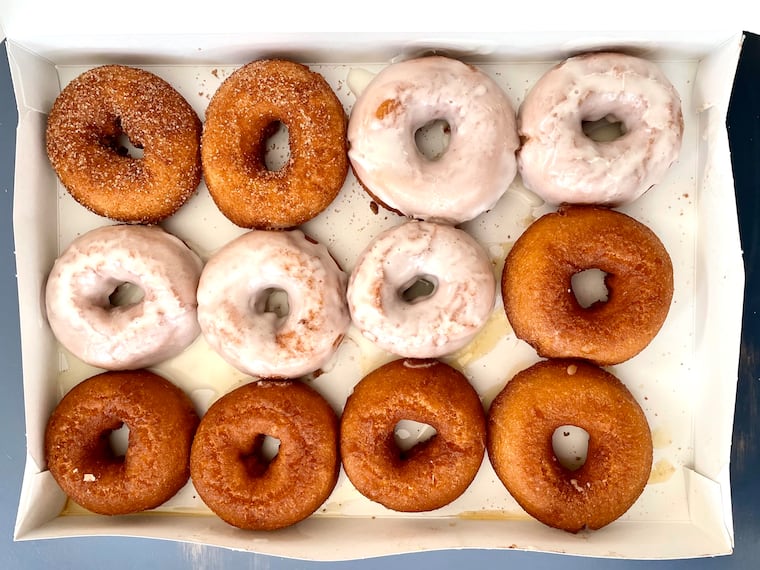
point(537, 285)
point(161, 422)
point(232, 475)
point(555, 393)
point(432, 473)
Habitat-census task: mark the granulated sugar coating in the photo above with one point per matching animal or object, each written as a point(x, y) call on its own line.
point(240, 119)
point(83, 131)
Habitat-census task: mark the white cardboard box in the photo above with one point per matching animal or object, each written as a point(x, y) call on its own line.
point(685, 380)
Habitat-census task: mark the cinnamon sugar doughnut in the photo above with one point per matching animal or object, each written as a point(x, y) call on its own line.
point(232, 476)
point(83, 130)
point(555, 393)
point(537, 285)
point(161, 422)
point(432, 473)
point(239, 119)
point(563, 165)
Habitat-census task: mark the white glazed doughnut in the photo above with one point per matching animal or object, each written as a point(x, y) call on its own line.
point(234, 290)
point(136, 335)
point(429, 326)
point(479, 162)
point(563, 165)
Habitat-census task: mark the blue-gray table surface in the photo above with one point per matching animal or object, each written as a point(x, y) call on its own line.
point(113, 553)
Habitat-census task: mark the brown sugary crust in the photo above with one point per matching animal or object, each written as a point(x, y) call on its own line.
point(238, 121)
point(82, 144)
point(375, 199)
point(232, 477)
point(161, 421)
point(538, 297)
point(554, 393)
point(432, 473)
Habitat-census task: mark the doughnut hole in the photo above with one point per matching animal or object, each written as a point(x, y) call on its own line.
point(126, 294)
point(432, 139)
point(116, 139)
point(124, 146)
point(118, 441)
point(264, 450)
point(272, 300)
point(410, 435)
point(589, 287)
point(607, 129)
point(570, 446)
point(418, 289)
point(276, 146)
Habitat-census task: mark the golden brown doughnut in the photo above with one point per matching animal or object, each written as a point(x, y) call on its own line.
point(161, 421)
point(239, 119)
point(432, 473)
point(554, 393)
point(83, 129)
point(235, 480)
point(537, 291)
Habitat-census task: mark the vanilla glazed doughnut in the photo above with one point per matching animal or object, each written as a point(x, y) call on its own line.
point(83, 130)
point(555, 393)
point(431, 474)
point(537, 285)
point(231, 473)
point(439, 323)
point(476, 168)
point(239, 119)
point(136, 335)
point(232, 298)
point(561, 164)
point(161, 422)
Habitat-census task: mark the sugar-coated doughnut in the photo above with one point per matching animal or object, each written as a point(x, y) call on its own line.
point(441, 322)
point(239, 120)
point(556, 393)
point(83, 130)
point(431, 474)
point(237, 482)
point(478, 164)
point(537, 285)
point(161, 422)
point(234, 290)
point(79, 289)
point(563, 165)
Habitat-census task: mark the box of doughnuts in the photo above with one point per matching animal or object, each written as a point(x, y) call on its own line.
point(429, 291)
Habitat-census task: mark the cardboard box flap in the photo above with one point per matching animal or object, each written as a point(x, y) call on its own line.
point(142, 17)
point(718, 328)
point(36, 506)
